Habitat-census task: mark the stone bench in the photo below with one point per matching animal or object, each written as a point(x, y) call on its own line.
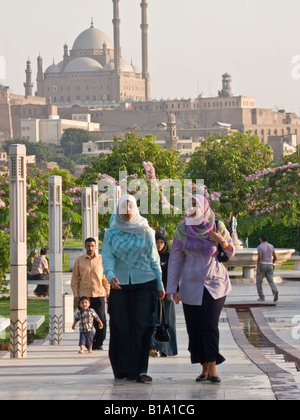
point(4, 323)
point(296, 258)
point(33, 323)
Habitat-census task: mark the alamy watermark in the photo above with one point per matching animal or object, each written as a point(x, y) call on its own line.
point(296, 67)
point(296, 329)
point(2, 68)
point(154, 197)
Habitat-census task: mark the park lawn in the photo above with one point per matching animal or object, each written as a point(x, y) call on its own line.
point(73, 243)
point(288, 265)
point(34, 307)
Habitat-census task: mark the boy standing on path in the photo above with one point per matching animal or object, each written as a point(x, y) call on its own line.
point(86, 317)
point(265, 261)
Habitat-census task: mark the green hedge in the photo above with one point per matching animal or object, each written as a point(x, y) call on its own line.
point(278, 235)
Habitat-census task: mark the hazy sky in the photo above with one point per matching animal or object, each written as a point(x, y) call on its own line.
point(191, 43)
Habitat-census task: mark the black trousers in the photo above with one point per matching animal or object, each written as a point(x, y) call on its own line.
point(41, 289)
point(98, 304)
point(131, 326)
point(202, 324)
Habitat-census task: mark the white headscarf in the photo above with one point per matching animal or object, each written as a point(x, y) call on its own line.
point(134, 225)
point(131, 240)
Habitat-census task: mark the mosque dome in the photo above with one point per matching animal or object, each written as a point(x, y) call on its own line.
point(171, 119)
point(92, 39)
point(124, 66)
point(82, 64)
point(55, 68)
point(109, 66)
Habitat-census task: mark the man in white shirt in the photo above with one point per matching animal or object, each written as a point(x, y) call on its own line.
point(266, 259)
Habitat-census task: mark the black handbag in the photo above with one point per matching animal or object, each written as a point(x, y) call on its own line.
point(161, 333)
point(222, 257)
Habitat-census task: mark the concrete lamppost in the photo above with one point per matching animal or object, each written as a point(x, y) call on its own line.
point(95, 216)
point(18, 251)
point(55, 260)
point(86, 214)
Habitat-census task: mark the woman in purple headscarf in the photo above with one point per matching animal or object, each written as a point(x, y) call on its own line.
point(204, 282)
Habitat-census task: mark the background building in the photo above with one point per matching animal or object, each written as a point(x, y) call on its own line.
point(94, 79)
point(94, 70)
point(50, 130)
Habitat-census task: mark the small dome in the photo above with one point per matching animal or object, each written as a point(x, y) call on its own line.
point(124, 66)
point(55, 68)
point(171, 118)
point(109, 66)
point(82, 64)
point(136, 69)
point(91, 39)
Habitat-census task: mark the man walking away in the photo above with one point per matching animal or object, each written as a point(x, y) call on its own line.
point(265, 267)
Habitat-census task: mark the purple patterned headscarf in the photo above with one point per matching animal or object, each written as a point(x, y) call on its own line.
point(192, 233)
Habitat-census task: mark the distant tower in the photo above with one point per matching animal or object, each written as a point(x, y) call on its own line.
point(226, 85)
point(66, 54)
point(144, 28)
point(171, 138)
point(40, 76)
point(117, 49)
point(28, 85)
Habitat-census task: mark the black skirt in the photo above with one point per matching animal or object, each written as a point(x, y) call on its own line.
point(202, 324)
point(131, 324)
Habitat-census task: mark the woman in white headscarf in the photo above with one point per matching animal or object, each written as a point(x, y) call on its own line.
point(132, 266)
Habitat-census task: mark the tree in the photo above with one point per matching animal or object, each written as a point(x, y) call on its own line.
point(274, 196)
point(223, 162)
point(128, 155)
point(142, 159)
point(37, 209)
point(72, 139)
point(41, 150)
point(4, 260)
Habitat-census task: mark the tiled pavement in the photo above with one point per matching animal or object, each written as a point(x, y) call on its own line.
point(60, 373)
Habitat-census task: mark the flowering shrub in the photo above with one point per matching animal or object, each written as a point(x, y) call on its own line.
point(155, 197)
point(274, 195)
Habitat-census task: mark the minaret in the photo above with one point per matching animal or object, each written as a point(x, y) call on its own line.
point(144, 28)
point(28, 85)
point(171, 137)
point(117, 51)
point(227, 84)
point(66, 54)
point(40, 76)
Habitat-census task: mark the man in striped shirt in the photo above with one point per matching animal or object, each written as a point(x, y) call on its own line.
point(89, 280)
point(40, 271)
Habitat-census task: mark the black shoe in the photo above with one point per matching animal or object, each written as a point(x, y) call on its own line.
point(202, 378)
point(215, 379)
point(97, 347)
point(144, 379)
point(275, 296)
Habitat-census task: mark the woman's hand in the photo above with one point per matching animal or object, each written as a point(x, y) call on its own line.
point(161, 294)
point(173, 297)
point(114, 283)
point(215, 237)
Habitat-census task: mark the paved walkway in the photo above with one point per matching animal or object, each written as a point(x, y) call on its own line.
point(60, 373)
